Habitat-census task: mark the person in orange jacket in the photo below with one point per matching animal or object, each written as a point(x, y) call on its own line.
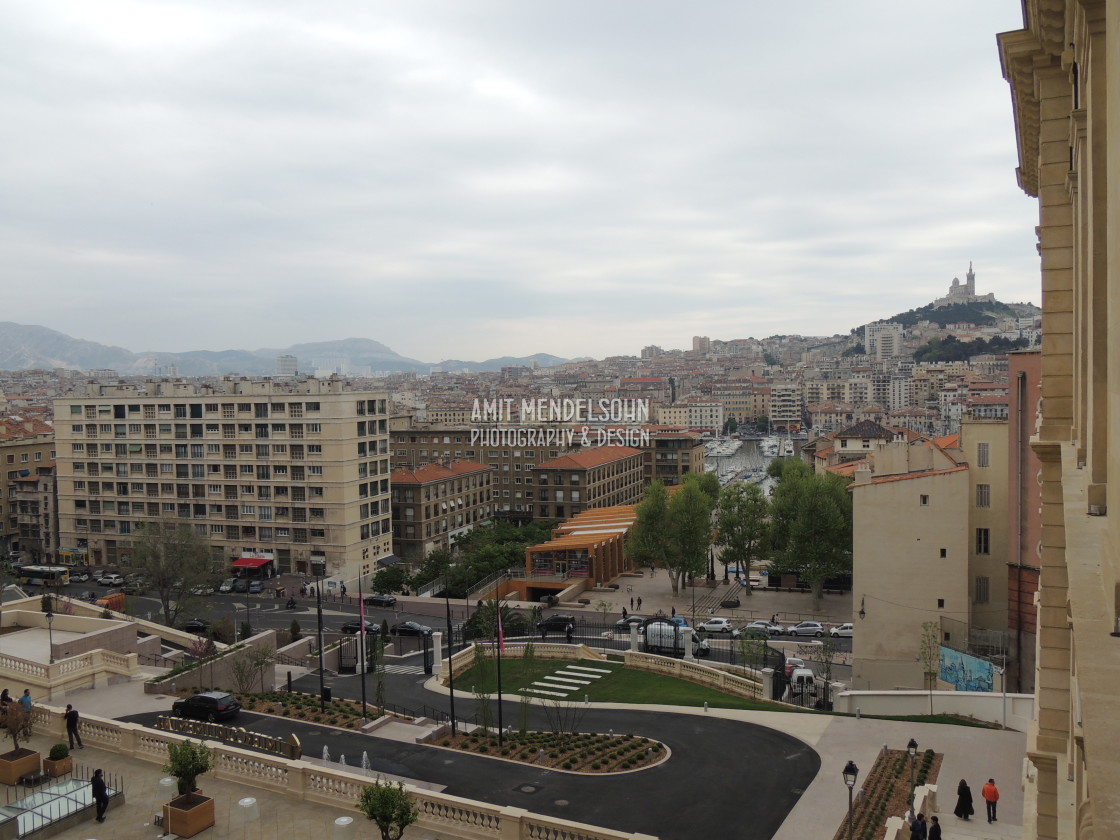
point(991, 796)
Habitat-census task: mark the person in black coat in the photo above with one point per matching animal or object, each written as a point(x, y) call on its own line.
point(934, 829)
point(100, 794)
point(964, 808)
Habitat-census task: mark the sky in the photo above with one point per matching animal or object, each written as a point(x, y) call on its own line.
point(476, 178)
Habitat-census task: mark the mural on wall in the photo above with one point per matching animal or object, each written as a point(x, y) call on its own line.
point(966, 673)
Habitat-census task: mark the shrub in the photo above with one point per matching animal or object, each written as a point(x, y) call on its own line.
point(58, 752)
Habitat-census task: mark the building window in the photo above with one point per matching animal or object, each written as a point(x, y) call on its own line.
point(941, 603)
point(983, 495)
point(983, 456)
point(983, 541)
point(944, 553)
point(981, 589)
point(923, 500)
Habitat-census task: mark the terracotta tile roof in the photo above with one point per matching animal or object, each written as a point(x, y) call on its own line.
point(952, 441)
point(437, 472)
point(588, 458)
point(866, 429)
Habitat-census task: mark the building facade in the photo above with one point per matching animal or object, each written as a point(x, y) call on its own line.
point(27, 449)
point(435, 503)
point(1062, 67)
point(607, 476)
point(293, 471)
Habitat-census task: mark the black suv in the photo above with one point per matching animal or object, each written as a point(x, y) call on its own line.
point(380, 600)
point(197, 626)
point(556, 622)
point(213, 705)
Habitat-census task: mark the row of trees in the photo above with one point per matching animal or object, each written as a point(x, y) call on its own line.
point(806, 529)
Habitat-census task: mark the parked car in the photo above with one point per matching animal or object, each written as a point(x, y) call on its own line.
point(410, 628)
point(353, 627)
point(769, 627)
point(138, 587)
point(805, 628)
point(380, 599)
point(240, 585)
point(558, 622)
point(111, 580)
point(210, 705)
point(197, 626)
point(227, 585)
point(89, 596)
point(802, 686)
point(792, 663)
point(842, 630)
point(79, 576)
point(203, 589)
point(717, 624)
point(256, 587)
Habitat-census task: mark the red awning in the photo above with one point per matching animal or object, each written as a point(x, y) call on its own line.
point(251, 562)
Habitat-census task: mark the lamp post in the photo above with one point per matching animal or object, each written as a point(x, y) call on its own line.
point(318, 566)
point(50, 636)
point(450, 654)
point(851, 773)
point(912, 748)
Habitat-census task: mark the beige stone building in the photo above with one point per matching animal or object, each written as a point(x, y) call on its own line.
point(910, 551)
point(434, 503)
point(1062, 67)
point(292, 471)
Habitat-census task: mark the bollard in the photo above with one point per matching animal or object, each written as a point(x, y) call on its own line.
point(172, 688)
point(857, 712)
point(289, 682)
point(705, 707)
point(586, 702)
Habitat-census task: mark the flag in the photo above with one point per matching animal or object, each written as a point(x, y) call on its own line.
point(501, 636)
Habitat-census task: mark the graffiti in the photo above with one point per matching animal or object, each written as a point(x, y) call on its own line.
point(966, 673)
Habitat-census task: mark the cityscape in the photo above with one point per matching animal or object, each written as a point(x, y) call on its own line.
point(880, 555)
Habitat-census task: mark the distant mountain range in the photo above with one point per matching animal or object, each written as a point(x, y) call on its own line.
point(27, 347)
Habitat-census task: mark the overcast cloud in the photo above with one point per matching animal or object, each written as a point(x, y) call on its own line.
point(474, 178)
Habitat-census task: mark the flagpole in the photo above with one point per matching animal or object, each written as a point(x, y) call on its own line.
point(501, 648)
point(362, 640)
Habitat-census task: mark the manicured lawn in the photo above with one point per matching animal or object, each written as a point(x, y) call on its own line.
point(624, 685)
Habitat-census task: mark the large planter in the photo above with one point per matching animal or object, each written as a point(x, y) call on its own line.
point(17, 763)
point(61, 767)
point(189, 814)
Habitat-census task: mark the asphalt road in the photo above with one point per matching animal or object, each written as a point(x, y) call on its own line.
point(721, 774)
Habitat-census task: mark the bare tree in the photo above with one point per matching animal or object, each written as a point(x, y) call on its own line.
point(930, 655)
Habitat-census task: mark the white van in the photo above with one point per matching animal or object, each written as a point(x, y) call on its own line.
point(669, 639)
point(803, 687)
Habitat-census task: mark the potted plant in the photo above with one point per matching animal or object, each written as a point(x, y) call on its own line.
point(190, 812)
point(19, 760)
point(58, 762)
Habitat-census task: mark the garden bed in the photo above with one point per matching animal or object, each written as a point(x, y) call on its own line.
point(579, 752)
point(886, 792)
point(340, 712)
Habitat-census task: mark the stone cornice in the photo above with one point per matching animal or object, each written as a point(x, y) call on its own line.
point(1019, 54)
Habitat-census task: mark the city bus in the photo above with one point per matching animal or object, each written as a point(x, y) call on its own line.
point(49, 576)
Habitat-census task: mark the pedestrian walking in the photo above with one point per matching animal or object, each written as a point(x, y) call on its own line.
point(569, 631)
point(934, 829)
point(631, 602)
point(964, 808)
point(72, 718)
point(100, 794)
point(991, 796)
point(624, 613)
point(639, 603)
point(343, 588)
point(25, 700)
point(544, 631)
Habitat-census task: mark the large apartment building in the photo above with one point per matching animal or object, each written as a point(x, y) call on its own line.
point(607, 476)
point(292, 471)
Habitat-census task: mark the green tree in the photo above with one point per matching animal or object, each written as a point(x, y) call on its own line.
point(649, 538)
point(389, 806)
point(294, 631)
point(810, 525)
point(707, 482)
point(732, 425)
point(690, 533)
point(175, 558)
point(742, 523)
point(392, 579)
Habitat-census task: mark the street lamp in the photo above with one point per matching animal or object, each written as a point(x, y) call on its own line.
point(318, 566)
point(851, 773)
point(50, 635)
point(450, 652)
point(912, 748)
